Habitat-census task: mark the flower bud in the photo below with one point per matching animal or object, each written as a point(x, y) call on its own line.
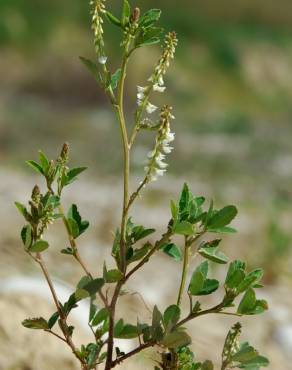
point(65, 152)
point(35, 195)
point(135, 15)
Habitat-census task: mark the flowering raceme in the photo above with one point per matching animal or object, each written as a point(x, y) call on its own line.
point(98, 10)
point(156, 167)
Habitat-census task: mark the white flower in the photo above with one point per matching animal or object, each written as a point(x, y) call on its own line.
point(102, 59)
point(150, 108)
point(161, 164)
point(140, 96)
point(160, 156)
point(157, 87)
point(160, 80)
point(152, 177)
point(169, 137)
point(159, 172)
point(167, 149)
point(141, 89)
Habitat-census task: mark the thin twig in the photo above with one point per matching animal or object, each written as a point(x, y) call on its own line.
point(132, 353)
point(156, 247)
point(56, 335)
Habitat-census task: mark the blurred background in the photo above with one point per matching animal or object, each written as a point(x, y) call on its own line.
point(231, 89)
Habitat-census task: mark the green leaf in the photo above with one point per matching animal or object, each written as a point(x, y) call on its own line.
point(150, 17)
point(118, 328)
point(209, 287)
point(76, 224)
point(112, 276)
point(148, 36)
point(93, 286)
point(139, 232)
point(245, 353)
point(74, 229)
point(44, 161)
point(183, 228)
point(39, 246)
point(114, 20)
point(210, 251)
point(203, 268)
point(68, 251)
point(73, 173)
point(92, 67)
point(197, 283)
point(251, 278)
point(115, 78)
point(156, 329)
point(53, 319)
point(184, 198)
point(128, 332)
point(255, 363)
point(71, 303)
point(235, 274)
point(22, 209)
point(52, 201)
point(249, 305)
point(126, 12)
point(171, 315)
point(36, 323)
point(35, 166)
point(26, 236)
point(138, 254)
point(92, 348)
point(223, 230)
point(100, 316)
point(83, 281)
point(173, 251)
point(174, 210)
point(222, 218)
point(176, 339)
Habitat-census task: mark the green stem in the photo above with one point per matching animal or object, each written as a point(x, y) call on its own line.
point(121, 118)
point(184, 272)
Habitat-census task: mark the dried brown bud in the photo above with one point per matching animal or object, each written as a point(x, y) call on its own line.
point(35, 195)
point(65, 152)
point(135, 15)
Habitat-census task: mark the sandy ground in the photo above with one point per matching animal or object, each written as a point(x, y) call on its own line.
point(23, 294)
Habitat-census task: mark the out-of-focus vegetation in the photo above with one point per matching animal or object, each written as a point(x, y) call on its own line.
point(231, 89)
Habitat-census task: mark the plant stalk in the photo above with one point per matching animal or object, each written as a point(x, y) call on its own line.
point(184, 272)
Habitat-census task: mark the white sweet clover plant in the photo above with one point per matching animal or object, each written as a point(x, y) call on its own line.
point(166, 332)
